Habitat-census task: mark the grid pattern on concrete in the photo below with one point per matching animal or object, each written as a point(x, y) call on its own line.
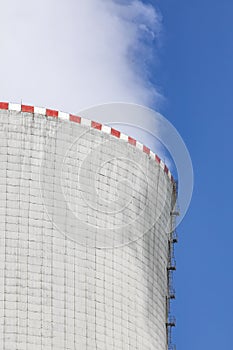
point(83, 258)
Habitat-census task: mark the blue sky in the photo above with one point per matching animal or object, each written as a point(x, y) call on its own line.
point(196, 76)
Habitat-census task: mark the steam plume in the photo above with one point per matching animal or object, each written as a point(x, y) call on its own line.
point(70, 54)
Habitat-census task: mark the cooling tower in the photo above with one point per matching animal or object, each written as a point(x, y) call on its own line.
point(86, 236)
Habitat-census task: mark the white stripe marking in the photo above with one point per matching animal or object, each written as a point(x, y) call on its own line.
point(63, 116)
point(39, 110)
point(86, 122)
point(14, 107)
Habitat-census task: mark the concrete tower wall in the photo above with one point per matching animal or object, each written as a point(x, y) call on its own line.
point(85, 216)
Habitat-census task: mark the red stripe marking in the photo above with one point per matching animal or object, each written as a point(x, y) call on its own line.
point(132, 141)
point(75, 118)
point(166, 169)
point(96, 125)
point(115, 132)
point(4, 105)
point(157, 159)
point(146, 150)
point(51, 113)
point(27, 109)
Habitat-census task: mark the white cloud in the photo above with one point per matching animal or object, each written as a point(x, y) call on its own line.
point(70, 54)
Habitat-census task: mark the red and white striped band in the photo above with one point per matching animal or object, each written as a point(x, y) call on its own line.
point(83, 121)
